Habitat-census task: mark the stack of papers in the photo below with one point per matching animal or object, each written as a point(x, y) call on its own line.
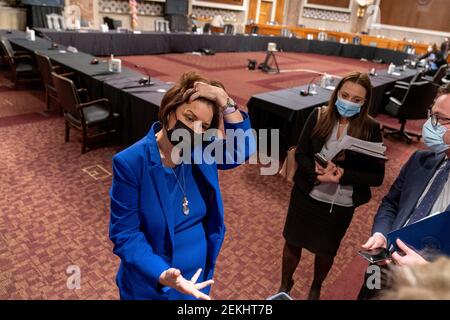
point(373, 149)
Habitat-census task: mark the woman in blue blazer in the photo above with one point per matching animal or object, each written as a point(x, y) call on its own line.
point(167, 218)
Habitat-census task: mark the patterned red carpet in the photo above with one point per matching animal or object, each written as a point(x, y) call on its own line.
point(54, 204)
point(231, 69)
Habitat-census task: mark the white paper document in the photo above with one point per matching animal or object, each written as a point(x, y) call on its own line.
point(374, 149)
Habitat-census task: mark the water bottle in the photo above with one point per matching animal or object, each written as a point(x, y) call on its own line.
point(391, 68)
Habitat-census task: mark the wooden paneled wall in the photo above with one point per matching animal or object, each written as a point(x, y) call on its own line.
point(279, 11)
point(422, 14)
point(331, 3)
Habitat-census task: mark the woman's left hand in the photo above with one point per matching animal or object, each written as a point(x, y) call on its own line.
point(410, 258)
point(321, 170)
point(207, 91)
point(173, 278)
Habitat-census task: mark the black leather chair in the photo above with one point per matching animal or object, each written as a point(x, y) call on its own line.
point(437, 77)
point(21, 63)
point(207, 28)
point(285, 32)
point(112, 23)
point(401, 87)
point(415, 105)
point(228, 29)
point(446, 79)
point(46, 68)
point(254, 30)
point(94, 118)
point(356, 40)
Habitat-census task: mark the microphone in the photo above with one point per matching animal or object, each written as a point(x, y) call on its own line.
point(145, 81)
point(307, 92)
point(54, 44)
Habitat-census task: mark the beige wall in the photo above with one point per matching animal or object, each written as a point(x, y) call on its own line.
point(294, 12)
point(89, 10)
point(418, 35)
point(329, 25)
point(146, 23)
point(12, 18)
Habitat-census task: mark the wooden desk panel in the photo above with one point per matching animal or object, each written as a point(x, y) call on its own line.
point(367, 40)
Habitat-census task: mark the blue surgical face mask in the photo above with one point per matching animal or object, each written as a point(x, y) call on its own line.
point(347, 108)
point(433, 136)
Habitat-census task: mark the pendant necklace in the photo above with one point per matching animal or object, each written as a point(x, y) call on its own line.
point(185, 203)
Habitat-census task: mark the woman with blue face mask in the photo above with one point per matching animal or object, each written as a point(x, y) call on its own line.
point(324, 199)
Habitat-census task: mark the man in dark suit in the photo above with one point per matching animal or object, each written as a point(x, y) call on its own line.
point(421, 189)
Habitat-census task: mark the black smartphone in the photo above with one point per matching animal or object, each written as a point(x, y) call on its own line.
point(323, 162)
point(376, 255)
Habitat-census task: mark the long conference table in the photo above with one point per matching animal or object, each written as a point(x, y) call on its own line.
point(146, 43)
point(287, 111)
point(137, 106)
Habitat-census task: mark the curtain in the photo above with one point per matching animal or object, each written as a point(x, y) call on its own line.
point(36, 15)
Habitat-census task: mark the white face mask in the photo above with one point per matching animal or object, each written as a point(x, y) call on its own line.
point(433, 136)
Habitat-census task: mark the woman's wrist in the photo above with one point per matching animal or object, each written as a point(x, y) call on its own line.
point(221, 100)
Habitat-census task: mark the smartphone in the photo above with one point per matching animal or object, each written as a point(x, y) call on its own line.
point(280, 296)
point(323, 162)
point(376, 255)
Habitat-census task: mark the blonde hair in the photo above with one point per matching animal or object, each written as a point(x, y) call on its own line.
point(430, 281)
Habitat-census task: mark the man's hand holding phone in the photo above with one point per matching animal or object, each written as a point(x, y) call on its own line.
point(375, 246)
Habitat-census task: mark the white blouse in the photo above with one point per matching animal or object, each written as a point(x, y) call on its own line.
point(329, 192)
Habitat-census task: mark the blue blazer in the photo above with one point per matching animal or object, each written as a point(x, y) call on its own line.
point(142, 219)
point(398, 204)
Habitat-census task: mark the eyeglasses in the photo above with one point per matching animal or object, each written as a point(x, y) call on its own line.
point(435, 119)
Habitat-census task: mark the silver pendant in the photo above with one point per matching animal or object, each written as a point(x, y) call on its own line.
point(185, 206)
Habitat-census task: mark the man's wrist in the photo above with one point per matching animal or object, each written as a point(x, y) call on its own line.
point(381, 235)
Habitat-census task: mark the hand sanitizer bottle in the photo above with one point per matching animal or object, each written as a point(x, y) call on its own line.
point(110, 67)
point(391, 68)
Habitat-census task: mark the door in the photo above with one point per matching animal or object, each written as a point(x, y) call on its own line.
point(265, 12)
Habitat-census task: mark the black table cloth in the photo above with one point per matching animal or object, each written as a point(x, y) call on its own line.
point(283, 109)
point(287, 111)
point(137, 106)
point(113, 42)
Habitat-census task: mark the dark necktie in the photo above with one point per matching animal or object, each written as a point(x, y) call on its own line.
point(424, 208)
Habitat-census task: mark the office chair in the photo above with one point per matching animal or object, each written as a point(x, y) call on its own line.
point(94, 118)
point(438, 76)
point(21, 63)
point(415, 105)
point(162, 26)
point(46, 68)
point(228, 29)
point(207, 28)
point(55, 21)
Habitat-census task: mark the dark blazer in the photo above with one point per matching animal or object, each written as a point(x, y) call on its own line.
point(397, 206)
point(361, 172)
